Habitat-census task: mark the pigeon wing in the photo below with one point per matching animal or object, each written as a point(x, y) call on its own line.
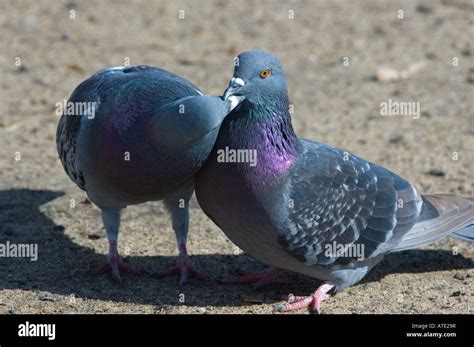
point(337, 197)
point(123, 95)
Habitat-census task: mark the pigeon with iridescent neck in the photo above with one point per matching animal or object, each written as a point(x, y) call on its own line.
point(141, 135)
point(305, 206)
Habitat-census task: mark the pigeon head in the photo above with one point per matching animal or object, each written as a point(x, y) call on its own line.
point(258, 76)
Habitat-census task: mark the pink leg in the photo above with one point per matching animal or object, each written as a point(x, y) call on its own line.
point(183, 268)
point(115, 263)
point(271, 275)
point(312, 302)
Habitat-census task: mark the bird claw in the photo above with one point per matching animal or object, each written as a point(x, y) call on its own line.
point(258, 279)
point(184, 269)
point(115, 264)
point(312, 302)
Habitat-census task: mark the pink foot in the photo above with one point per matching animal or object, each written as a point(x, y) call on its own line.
point(271, 275)
point(312, 302)
point(183, 268)
point(115, 264)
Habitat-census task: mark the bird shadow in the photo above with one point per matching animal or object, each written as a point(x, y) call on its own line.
point(64, 268)
point(419, 261)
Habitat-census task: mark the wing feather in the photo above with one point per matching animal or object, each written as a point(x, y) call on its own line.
point(338, 197)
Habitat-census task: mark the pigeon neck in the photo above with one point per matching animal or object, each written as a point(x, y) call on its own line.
point(274, 124)
point(265, 129)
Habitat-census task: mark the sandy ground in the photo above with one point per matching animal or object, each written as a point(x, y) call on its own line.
point(333, 103)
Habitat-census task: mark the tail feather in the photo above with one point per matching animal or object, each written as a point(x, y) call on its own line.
point(466, 234)
point(441, 215)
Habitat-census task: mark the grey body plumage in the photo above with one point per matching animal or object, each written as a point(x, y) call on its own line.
point(151, 131)
point(303, 196)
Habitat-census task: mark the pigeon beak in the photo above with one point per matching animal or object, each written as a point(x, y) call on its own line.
point(235, 85)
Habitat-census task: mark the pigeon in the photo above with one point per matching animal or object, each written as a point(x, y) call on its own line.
point(304, 206)
point(137, 134)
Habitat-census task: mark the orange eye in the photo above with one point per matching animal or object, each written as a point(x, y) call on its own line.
point(265, 73)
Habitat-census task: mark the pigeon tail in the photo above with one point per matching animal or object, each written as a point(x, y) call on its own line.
point(441, 215)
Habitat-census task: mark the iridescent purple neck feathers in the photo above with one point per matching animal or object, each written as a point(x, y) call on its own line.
point(265, 130)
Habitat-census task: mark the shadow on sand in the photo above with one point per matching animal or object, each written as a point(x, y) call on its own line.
point(64, 267)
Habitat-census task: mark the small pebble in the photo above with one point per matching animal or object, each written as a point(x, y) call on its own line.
point(435, 172)
point(51, 297)
point(379, 30)
point(456, 293)
point(75, 67)
point(395, 138)
point(458, 276)
point(95, 236)
point(65, 36)
point(22, 68)
point(73, 3)
point(387, 74)
point(470, 75)
point(424, 8)
point(426, 114)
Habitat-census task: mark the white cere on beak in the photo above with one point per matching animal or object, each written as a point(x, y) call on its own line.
point(237, 81)
point(233, 84)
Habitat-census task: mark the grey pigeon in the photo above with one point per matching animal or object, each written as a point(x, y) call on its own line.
point(142, 138)
point(305, 206)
